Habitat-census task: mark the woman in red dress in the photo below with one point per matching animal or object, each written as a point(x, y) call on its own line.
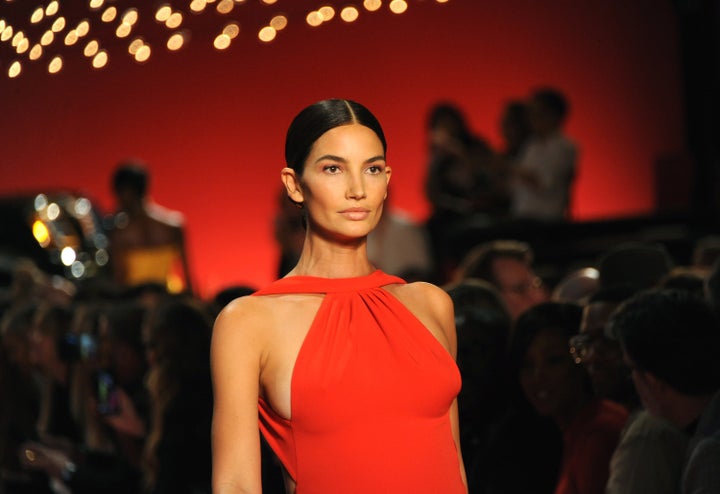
point(348, 371)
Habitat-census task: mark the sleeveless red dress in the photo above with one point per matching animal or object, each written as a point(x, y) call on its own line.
point(371, 392)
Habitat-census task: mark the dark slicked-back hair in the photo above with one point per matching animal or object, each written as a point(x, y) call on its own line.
point(673, 335)
point(318, 118)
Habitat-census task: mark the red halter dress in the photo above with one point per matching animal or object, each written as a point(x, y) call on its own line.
point(371, 392)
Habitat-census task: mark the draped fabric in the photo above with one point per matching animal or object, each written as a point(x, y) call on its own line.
point(370, 395)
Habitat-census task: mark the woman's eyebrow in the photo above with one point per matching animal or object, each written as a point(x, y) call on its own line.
point(333, 157)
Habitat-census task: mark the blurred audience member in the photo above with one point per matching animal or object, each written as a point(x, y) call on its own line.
point(577, 286)
point(650, 454)
point(177, 451)
point(712, 288)
point(546, 169)
point(507, 265)
point(515, 130)
point(706, 252)
point(670, 340)
point(688, 279)
point(459, 181)
point(636, 265)
point(483, 328)
point(147, 241)
point(557, 387)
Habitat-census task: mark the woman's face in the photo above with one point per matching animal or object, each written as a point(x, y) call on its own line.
point(550, 379)
point(343, 184)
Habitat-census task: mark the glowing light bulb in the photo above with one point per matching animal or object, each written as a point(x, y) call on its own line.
point(231, 30)
point(143, 53)
point(398, 6)
point(327, 13)
point(52, 8)
point(109, 14)
point(175, 42)
point(14, 69)
point(174, 20)
point(222, 41)
point(225, 6)
point(58, 25)
point(279, 22)
point(267, 34)
point(314, 18)
point(83, 28)
point(163, 13)
point(349, 14)
point(37, 15)
point(55, 64)
point(100, 60)
point(372, 5)
point(91, 48)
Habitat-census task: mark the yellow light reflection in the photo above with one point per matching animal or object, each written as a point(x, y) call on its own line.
point(175, 42)
point(58, 25)
point(130, 16)
point(2, 25)
point(14, 69)
point(225, 6)
point(55, 64)
point(267, 34)
point(135, 45)
point(96, 4)
point(441, 1)
point(163, 13)
point(23, 46)
point(398, 6)
point(349, 14)
point(269, 2)
point(91, 48)
point(41, 233)
point(143, 53)
point(174, 20)
point(109, 14)
point(71, 37)
point(314, 18)
point(123, 30)
point(52, 8)
point(222, 41)
point(279, 22)
point(83, 28)
point(198, 5)
point(7, 33)
point(231, 30)
point(37, 15)
point(100, 60)
point(35, 52)
point(47, 38)
point(372, 5)
point(327, 13)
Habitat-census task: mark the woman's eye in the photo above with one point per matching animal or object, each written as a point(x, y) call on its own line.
point(331, 168)
point(375, 169)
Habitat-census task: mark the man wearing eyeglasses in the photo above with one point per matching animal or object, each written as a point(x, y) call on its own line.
point(650, 453)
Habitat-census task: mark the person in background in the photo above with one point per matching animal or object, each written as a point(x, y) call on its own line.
point(507, 265)
point(147, 241)
point(670, 339)
point(557, 387)
point(545, 171)
point(650, 454)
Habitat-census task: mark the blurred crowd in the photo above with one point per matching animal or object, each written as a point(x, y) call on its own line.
point(605, 381)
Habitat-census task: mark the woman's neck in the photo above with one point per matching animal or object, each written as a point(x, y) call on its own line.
point(333, 260)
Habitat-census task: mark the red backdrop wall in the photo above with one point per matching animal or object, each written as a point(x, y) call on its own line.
point(211, 124)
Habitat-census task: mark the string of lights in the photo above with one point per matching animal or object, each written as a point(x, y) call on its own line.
point(55, 29)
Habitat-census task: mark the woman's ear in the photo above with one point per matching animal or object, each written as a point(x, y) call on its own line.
point(292, 185)
point(388, 174)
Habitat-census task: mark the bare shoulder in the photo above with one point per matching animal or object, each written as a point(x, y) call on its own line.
point(419, 292)
point(432, 306)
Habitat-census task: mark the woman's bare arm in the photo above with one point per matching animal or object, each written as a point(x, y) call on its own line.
point(235, 358)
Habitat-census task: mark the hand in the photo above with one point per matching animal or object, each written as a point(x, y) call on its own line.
point(127, 421)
